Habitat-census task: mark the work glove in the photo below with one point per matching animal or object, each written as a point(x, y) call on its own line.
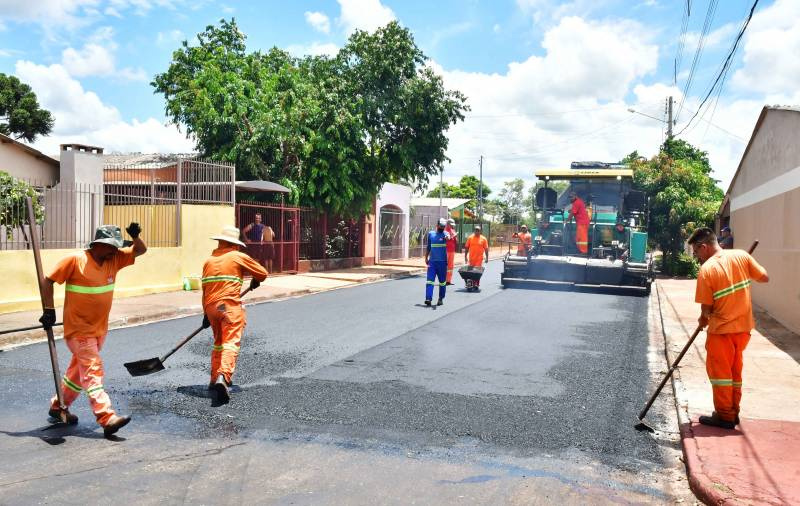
point(134, 230)
point(254, 283)
point(206, 323)
point(48, 318)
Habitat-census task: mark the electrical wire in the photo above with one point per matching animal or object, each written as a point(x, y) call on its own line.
point(725, 67)
point(712, 7)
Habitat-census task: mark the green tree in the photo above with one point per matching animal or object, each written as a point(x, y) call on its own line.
point(467, 189)
point(682, 197)
point(20, 114)
point(13, 207)
point(512, 198)
point(337, 127)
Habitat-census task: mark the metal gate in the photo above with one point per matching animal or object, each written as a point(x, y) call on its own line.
point(272, 235)
point(392, 233)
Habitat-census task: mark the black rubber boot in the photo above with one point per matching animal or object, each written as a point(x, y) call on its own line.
point(70, 418)
point(427, 302)
point(221, 388)
point(715, 421)
point(440, 302)
point(115, 424)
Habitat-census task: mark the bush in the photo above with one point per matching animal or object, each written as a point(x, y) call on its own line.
point(682, 265)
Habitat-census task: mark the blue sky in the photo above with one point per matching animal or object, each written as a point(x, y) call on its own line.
point(548, 82)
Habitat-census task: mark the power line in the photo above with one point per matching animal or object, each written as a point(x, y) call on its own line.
point(725, 67)
point(681, 43)
point(712, 7)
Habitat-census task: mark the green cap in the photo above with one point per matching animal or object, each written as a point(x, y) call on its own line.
point(108, 234)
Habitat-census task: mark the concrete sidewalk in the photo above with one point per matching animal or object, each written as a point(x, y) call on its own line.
point(759, 462)
point(162, 306)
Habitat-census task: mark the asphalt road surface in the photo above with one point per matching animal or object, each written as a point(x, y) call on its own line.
point(365, 396)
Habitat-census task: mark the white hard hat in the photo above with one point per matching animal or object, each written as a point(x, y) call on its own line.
point(442, 222)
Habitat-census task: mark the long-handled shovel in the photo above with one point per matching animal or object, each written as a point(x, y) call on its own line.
point(642, 425)
point(23, 329)
point(51, 341)
point(155, 364)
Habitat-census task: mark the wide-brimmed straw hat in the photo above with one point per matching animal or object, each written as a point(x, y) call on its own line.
point(229, 234)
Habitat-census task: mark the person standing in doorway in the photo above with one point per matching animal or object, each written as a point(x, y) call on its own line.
point(723, 291)
point(268, 247)
point(254, 237)
point(436, 260)
point(581, 216)
point(726, 241)
point(90, 276)
point(452, 245)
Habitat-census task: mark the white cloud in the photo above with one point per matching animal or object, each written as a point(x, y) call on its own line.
point(51, 14)
point(96, 58)
point(313, 49)
point(364, 15)
point(319, 21)
point(91, 60)
point(80, 116)
point(771, 45)
point(569, 104)
point(170, 37)
point(550, 11)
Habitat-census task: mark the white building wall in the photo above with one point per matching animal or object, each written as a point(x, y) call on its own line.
point(395, 195)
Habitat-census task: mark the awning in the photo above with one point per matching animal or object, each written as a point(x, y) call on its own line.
point(261, 186)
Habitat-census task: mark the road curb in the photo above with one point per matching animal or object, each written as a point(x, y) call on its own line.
point(11, 341)
point(701, 485)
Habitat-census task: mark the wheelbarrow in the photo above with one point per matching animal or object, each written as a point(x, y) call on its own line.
point(471, 276)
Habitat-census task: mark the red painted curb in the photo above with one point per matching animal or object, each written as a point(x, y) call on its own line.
point(702, 486)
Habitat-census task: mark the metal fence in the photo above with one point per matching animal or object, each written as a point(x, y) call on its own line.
point(151, 194)
point(66, 216)
point(325, 236)
point(272, 235)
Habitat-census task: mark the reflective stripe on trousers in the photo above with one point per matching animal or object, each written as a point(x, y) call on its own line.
point(724, 368)
point(436, 270)
point(227, 322)
point(85, 372)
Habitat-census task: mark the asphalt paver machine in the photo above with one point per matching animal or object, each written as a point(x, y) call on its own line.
point(617, 254)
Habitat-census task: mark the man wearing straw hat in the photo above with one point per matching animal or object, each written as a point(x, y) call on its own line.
point(223, 275)
point(90, 276)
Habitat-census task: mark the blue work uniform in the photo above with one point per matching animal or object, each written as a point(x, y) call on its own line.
point(437, 263)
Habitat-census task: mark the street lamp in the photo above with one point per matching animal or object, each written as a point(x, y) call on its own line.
point(634, 111)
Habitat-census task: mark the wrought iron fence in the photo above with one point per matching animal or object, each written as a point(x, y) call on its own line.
point(327, 236)
point(66, 216)
point(272, 235)
point(152, 194)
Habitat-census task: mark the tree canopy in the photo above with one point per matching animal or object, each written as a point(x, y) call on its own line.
point(467, 189)
point(683, 196)
point(20, 114)
point(338, 128)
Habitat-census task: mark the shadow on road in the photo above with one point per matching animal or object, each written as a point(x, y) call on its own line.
point(60, 432)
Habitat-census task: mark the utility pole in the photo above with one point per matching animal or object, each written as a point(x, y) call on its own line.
point(441, 189)
point(669, 119)
point(480, 191)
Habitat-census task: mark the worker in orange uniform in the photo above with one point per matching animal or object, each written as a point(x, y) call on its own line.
point(475, 250)
point(524, 240)
point(723, 290)
point(89, 276)
point(452, 245)
point(223, 275)
point(578, 211)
